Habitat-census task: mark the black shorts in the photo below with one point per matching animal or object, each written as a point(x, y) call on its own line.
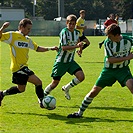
point(21, 76)
point(82, 38)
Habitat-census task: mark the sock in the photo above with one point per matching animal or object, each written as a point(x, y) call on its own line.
point(11, 91)
point(74, 82)
point(87, 100)
point(39, 91)
point(85, 46)
point(48, 89)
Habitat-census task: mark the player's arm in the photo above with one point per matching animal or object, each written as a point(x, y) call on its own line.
point(44, 49)
point(3, 27)
point(120, 59)
point(81, 27)
point(79, 45)
point(106, 24)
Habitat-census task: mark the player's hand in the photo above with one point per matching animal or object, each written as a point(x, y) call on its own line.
point(79, 52)
point(54, 48)
point(85, 27)
point(5, 25)
point(130, 56)
point(80, 44)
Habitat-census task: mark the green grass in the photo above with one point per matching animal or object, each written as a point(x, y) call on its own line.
point(110, 112)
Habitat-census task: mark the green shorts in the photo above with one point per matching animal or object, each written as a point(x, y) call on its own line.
point(109, 76)
point(59, 69)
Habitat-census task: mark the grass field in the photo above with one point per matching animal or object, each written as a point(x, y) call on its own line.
point(110, 112)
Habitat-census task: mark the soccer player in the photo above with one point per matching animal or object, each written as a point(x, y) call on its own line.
point(108, 22)
point(117, 58)
point(80, 26)
point(64, 62)
point(20, 43)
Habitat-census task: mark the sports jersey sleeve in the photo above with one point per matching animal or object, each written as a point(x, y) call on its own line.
point(78, 22)
point(108, 52)
point(6, 37)
point(63, 38)
point(132, 40)
point(33, 45)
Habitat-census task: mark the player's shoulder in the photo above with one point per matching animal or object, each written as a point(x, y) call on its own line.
point(77, 31)
point(79, 19)
point(126, 37)
point(64, 30)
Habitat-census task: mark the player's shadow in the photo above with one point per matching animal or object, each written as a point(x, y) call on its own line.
point(55, 116)
point(126, 109)
point(98, 62)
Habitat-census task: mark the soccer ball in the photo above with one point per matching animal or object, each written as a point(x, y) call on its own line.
point(49, 102)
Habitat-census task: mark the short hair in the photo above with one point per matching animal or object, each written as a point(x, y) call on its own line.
point(111, 14)
point(113, 29)
point(81, 11)
point(71, 17)
point(24, 22)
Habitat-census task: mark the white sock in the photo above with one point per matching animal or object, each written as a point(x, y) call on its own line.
point(48, 89)
point(87, 100)
point(74, 82)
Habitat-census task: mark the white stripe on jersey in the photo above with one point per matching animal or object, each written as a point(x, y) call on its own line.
point(10, 38)
point(113, 49)
point(13, 51)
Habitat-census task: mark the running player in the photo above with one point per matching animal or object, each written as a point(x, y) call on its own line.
point(80, 26)
point(64, 62)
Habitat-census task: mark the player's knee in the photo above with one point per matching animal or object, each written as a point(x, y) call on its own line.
point(81, 78)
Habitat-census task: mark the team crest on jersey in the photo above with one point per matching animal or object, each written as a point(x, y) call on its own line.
point(21, 44)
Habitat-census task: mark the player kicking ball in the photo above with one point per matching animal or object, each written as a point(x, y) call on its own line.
point(20, 43)
point(117, 58)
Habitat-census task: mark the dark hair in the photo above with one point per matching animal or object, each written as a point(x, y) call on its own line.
point(113, 29)
point(82, 11)
point(71, 17)
point(111, 14)
point(24, 22)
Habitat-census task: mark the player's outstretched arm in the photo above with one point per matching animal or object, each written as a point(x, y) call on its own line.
point(44, 49)
point(4, 26)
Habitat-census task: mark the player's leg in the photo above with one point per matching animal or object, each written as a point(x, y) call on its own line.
point(38, 86)
point(19, 79)
point(129, 84)
point(125, 78)
point(106, 78)
point(59, 69)
point(87, 43)
point(85, 103)
point(51, 86)
point(79, 77)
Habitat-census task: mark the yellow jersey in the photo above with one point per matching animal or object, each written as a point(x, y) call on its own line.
point(19, 48)
point(80, 22)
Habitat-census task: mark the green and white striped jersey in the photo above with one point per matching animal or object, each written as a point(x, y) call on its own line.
point(117, 49)
point(67, 38)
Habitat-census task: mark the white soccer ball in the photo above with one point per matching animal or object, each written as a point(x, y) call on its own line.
point(49, 102)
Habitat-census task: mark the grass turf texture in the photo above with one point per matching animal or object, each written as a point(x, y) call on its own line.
point(110, 112)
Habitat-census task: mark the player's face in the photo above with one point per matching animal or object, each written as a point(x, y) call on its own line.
point(113, 38)
point(25, 30)
point(82, 15)
point(71, 25)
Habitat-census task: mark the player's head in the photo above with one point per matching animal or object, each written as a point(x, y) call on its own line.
point(111, 16)
point(82, 13)
point(113, 32)
point(71, 22)
point(25, 26)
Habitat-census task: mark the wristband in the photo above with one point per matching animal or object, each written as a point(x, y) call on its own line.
point(49, 49)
